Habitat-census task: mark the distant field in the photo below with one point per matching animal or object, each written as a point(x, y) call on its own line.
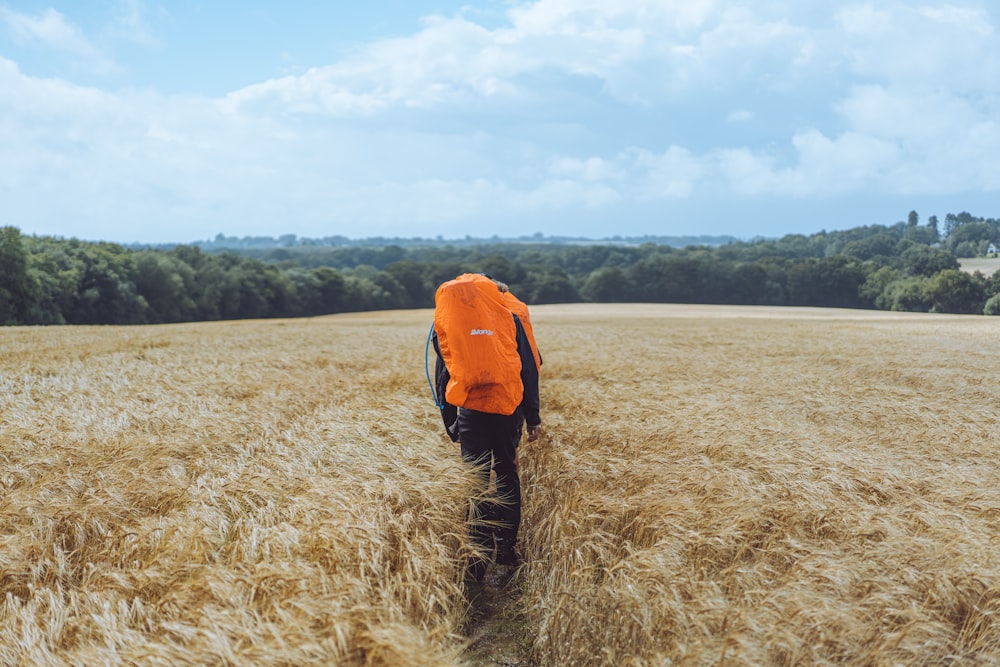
point(985, 265)
point(715, 485)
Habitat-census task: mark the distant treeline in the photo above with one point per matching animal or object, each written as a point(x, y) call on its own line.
point(243, 243)
point(906, 266)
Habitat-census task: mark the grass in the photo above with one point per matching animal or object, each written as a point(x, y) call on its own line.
point(715, 485)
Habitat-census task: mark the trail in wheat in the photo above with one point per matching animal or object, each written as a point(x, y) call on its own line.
point(497, 629)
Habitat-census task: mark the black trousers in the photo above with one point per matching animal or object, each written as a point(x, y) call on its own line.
point(490, 442)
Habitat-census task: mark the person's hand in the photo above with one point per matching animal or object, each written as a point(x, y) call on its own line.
point(534, 432)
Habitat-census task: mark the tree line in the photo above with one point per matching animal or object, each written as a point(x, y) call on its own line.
point(905, 266)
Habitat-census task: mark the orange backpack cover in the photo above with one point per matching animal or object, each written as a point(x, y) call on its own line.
point(520, 309)
point(478, 342)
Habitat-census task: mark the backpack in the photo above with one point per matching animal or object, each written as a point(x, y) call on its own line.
point(478, 342)
point(520, 309)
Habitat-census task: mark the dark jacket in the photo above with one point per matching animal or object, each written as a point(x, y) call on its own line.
point(530, 405)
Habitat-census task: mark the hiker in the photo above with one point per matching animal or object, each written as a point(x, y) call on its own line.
point(487, 381)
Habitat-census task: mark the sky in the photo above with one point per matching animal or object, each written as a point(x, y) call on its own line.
point(158, 122)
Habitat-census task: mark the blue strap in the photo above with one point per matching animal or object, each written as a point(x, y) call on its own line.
point(427, 368)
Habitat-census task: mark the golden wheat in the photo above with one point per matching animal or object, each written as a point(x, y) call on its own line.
point(765, 487)
point(738, 486)
point(241, 493)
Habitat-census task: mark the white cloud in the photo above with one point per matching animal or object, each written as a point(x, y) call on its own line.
point(672, 174)
point(50, 28)
point(448, 62)
point(922, 46)
point(946, 142)
point(822, 167)
point(589, 170)
point(585, 17)
point(562, 194)
point(919, 117)
point(753, 174)
point(639, 50)
point(852, 162)
point(132, 24)
point(568, 107)
point(53, 30)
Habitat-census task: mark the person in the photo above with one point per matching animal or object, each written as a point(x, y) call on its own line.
point(486, 374)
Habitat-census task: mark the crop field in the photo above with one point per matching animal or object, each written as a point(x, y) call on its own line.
point(713, 486)
point(985, 265)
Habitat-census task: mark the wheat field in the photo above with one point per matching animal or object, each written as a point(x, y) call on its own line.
point(714, 486)
point(985, 265)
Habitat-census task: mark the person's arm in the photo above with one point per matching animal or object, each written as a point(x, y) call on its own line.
point(530, 403)
point(449, 413)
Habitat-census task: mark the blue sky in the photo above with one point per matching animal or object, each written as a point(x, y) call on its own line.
point(133, 120)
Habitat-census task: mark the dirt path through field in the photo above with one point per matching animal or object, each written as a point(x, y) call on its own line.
point(497, 630)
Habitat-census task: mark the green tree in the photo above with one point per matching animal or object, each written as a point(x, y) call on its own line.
point(952, 291)
point(497, 266)
point(253, 289)
point(607, 284)
point(798, 246)
point(967, 236)
point(167, 285)
point(747, 284)
point(993, 283)
point(954, 221)
point(965, 249)
point(992, 306)
point(553, 286)
point(873, 291)
point(441, 272)
point(364, 293)
point(394, 294)
point(933, 229)
point(105, 285)
point(56, 272)
point(924, 234)
point(830, 282)
point(907, 295)
point(922, 260)
point(412, 276)
point(331, 291)
point(15, 283)
point(879, 245)
point(666, 278)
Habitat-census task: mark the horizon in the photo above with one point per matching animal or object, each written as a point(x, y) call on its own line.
point(664, 239)
point(294, 239)
point(540, 237)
